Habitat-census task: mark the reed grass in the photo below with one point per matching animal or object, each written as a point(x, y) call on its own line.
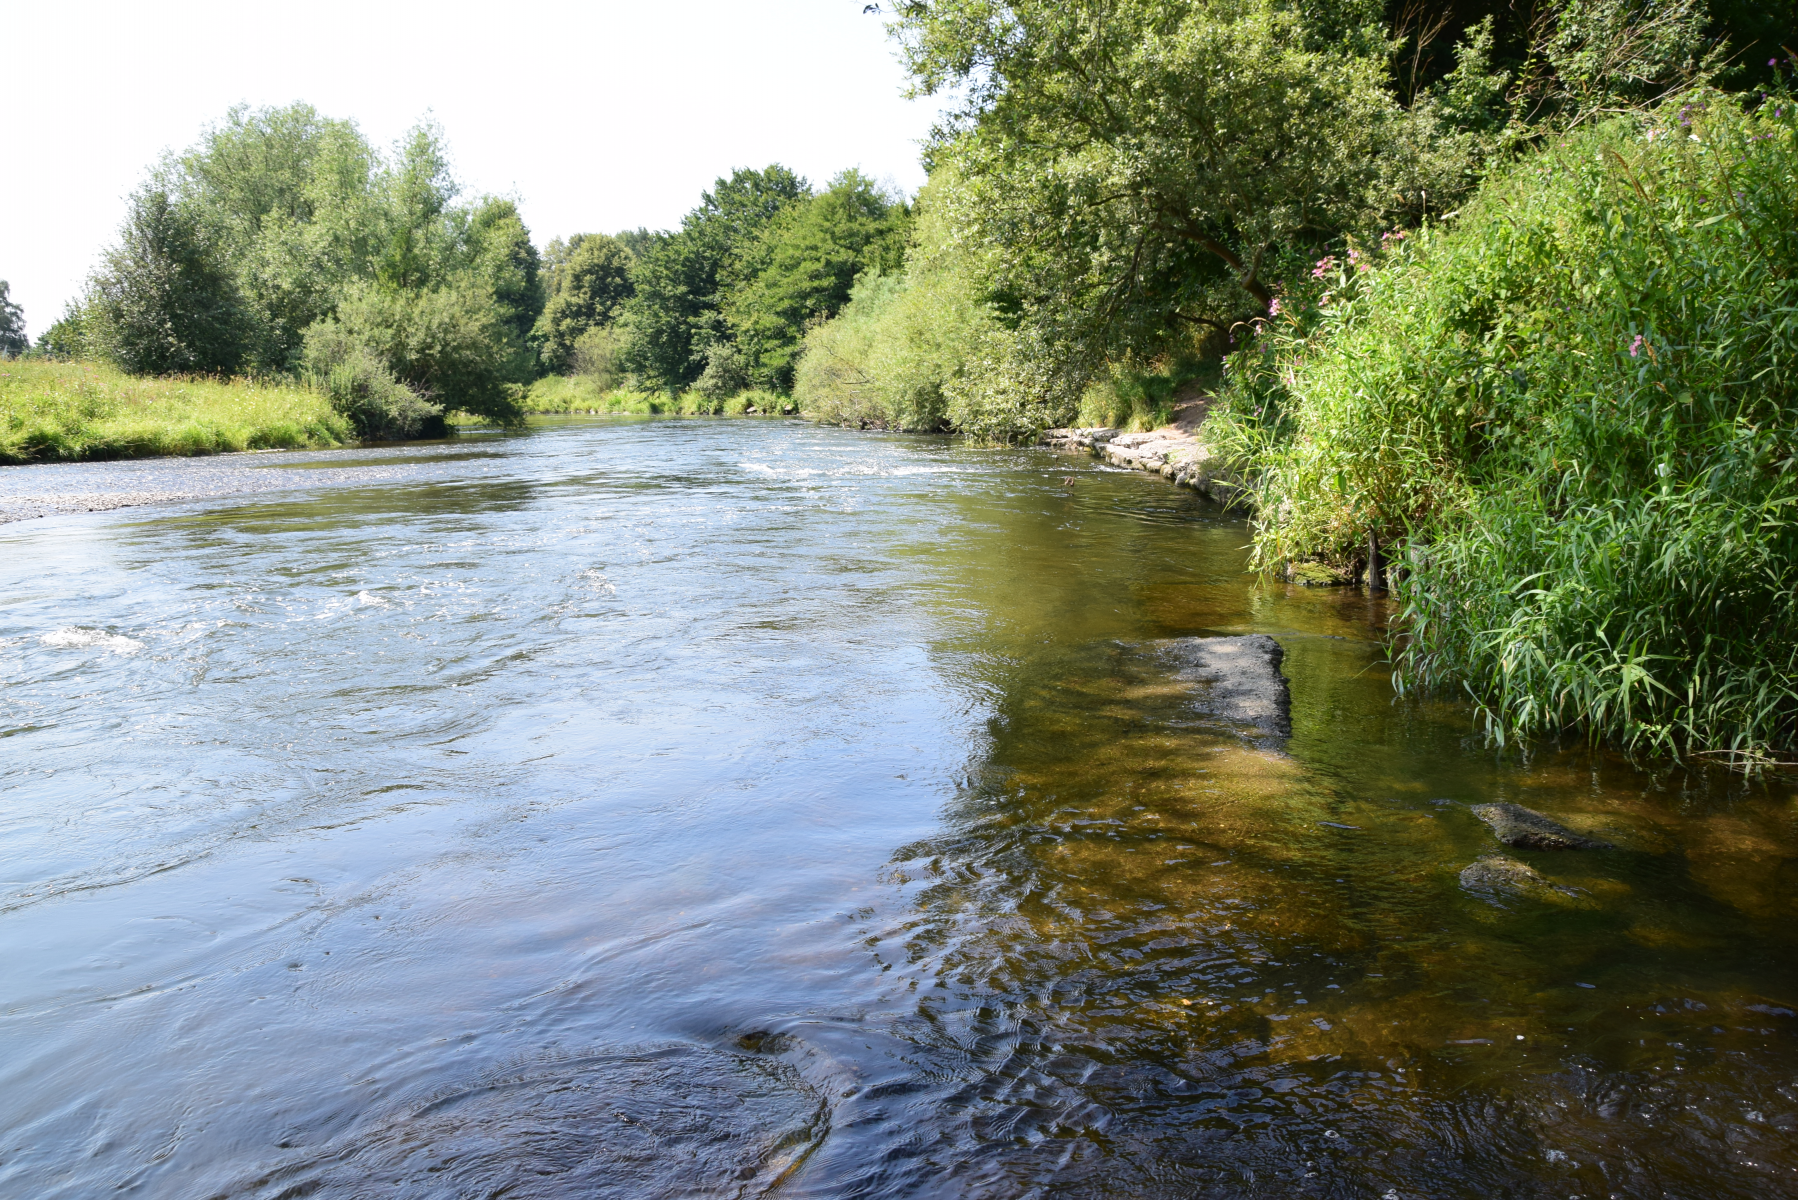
point(62, 411)
point(1573, 415)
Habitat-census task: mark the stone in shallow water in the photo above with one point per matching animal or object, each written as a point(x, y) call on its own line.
point(1240, 678)
point(652, 1124)
point(1494, 874)
point(1516, 825)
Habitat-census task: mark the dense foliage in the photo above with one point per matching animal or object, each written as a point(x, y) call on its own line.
point(1572, 414)
point(280, 224)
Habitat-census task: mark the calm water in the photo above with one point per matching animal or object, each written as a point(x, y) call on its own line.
point(730, 808)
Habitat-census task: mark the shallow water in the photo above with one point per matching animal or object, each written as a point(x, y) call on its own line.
point(725, 808)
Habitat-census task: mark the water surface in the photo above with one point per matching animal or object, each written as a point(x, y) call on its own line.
point(674, 808)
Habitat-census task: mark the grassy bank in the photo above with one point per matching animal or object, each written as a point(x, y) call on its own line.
point(1572, 421)
point(60, 412)
point(571, 394)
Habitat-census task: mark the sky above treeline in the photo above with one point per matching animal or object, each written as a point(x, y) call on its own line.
point(596, 116)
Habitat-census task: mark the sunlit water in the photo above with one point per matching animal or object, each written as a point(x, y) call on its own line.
point(721, 808)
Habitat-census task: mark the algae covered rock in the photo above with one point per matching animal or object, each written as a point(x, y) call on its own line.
point(1516, 825)
point(1316, 574)
point(1495, 874)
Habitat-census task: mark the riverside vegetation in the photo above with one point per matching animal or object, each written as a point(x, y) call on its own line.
point(1500, 297)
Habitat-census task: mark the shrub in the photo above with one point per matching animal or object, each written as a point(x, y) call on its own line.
point(725, 374)
point(1574, 413)
point(360, 387)
point(896, 356)
point(448, 344)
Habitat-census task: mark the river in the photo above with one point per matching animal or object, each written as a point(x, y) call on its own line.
point(674, 808)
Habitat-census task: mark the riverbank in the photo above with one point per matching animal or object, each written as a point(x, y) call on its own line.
point(1177, 451)
point(70, 412)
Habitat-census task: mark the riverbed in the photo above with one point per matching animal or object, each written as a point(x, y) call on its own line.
point(668, 808)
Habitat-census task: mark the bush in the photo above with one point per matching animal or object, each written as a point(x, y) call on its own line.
point(896, 356)
point(1573, 415)
point(725, 373)
point(448, 344)
point(599, 356)
point(360, 387)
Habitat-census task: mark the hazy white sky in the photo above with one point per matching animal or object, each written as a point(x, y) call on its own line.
point(598, 116)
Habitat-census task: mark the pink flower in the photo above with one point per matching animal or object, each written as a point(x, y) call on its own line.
point(1273, 309)
point(1635, 347)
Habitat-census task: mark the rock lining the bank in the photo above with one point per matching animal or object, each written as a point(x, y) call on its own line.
point(1175, 452)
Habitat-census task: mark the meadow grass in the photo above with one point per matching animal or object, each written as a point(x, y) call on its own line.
point(1571, 417)
point(62, 412)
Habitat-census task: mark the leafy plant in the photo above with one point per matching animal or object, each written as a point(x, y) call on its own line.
point(1570, 415)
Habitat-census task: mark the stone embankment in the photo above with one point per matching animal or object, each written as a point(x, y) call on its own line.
point(1175, 452)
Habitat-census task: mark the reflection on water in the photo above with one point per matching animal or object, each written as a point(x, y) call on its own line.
point(716, 808)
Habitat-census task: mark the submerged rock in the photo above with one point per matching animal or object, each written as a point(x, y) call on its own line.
point(1494, 874)
point(1240, 680)
point(1316, 574)
point(651, 1123)
point(1516, 825)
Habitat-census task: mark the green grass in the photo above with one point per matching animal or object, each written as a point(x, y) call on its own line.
point(1572, 416)
point(576, 394)
point(60, 412)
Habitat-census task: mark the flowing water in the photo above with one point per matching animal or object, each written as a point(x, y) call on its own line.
point(733, 808)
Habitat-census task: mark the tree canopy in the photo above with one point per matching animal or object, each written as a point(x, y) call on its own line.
point(280, 221)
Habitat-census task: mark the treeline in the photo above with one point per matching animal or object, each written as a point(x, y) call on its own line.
point(1127, 187)
point(284, 244)
point(721, 304)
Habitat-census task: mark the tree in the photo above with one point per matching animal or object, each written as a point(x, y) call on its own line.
point(13, 341)
point(1148, 164)
point(673, 318)
point(164, 301)
point(592, 282)
point(800, 267)
point(291, 196)
point(501, 254)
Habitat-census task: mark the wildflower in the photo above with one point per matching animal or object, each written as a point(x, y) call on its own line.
point(1273, 310)
point(1323, 266)
point(1635, 347)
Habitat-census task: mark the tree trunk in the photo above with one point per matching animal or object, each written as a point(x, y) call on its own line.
point(1376, 564)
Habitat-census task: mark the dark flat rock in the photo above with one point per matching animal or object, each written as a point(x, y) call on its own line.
point(1238, 680)
point(1516, 825)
